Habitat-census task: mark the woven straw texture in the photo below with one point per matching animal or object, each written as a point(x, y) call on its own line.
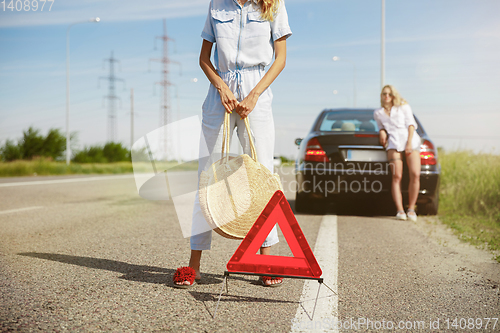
point(234, 190)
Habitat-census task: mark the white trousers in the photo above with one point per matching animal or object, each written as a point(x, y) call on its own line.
point(241, 82)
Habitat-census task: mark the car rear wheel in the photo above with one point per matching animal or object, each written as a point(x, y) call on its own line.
point(302, 203)
point(306, 204)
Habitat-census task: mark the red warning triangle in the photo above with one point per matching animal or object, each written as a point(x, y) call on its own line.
point(302, 264)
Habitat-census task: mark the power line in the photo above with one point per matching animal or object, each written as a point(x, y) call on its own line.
point(131, 118)
point(165, 100)
point(112, 98)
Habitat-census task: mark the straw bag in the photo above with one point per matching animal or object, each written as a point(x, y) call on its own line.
point(234, 190)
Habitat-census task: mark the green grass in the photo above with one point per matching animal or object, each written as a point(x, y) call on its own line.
point(45, 167)
point(470, 197)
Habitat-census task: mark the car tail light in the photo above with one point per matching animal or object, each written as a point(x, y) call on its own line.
point(427, 153)
point(427, 158)
point(426, 146)
point(314, 152)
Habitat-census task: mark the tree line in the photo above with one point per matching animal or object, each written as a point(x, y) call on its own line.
point(52, 146)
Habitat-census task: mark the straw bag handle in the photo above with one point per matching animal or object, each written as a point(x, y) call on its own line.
point(226, 134)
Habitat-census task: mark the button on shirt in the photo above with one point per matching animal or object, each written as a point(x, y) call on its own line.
point(243, 39)
point(396, 126)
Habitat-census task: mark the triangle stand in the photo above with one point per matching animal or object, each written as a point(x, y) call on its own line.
point(320, 281)
point(302, 265)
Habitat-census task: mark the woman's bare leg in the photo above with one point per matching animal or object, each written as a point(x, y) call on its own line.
point(267, 251)
point(397, 173)
point(194, 262)
point(413, 161)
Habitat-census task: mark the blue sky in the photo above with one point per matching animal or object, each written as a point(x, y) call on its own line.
point(441, 55)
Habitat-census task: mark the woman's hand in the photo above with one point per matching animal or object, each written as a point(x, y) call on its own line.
point(408, 149)
point(226, 95)
point(247, 105)
point(383, 137)
point(227, 98)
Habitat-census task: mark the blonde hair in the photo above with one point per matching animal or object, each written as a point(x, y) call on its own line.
point(397, 100)
point(268, 9)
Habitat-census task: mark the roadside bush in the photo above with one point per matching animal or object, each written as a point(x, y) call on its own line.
point(33, 144)
point(10, 151)
point(90, 155)
point(54, 144)
point(115, 152)
point(109, 153)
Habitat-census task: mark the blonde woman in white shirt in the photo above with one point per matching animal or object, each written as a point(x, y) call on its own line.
point(398, 135)
point(246, 34)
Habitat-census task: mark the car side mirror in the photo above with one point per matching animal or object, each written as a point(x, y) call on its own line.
point(298, 141)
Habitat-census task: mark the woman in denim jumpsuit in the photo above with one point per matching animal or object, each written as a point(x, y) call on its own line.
point(245, 37)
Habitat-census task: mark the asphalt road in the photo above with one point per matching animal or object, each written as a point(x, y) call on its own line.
point(91, 255)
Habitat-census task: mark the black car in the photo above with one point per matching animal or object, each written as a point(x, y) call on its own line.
point(341, 157)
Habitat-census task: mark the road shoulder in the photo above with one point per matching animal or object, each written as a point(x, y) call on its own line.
point(461, 256)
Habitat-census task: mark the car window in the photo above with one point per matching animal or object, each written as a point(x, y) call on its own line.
point(348, 121)
point(420, 128)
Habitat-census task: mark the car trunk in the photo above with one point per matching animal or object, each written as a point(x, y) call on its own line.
point(357, 158)
point(359, 151)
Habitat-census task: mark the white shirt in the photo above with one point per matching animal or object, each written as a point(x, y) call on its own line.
point(396, 125)
point(243, 39)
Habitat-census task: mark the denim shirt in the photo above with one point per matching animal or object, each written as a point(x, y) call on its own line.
point(243, 39)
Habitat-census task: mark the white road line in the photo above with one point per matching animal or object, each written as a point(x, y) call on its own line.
point(326, 251)
point(19, 210)
point(59, 181)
